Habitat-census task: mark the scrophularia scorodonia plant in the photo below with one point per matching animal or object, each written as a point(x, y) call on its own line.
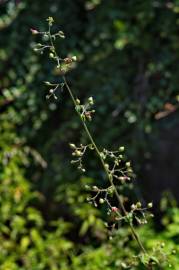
point(117, 168)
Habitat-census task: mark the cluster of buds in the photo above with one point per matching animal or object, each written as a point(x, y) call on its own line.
point(85, 109)
point(102, 197)
point(64, 64)
point(118, 168)
point(157, 254)
point(78, 153)
point(141, 213)
point(116, 165)
point(50, 20)
point(53, 89)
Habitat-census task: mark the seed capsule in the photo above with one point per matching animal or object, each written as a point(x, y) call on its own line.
point(95, 188)
point(51, 55)
point(78, 153)
point(150, 205)
point(91, 101)
point(101, 200)
point(77, 101)
point(74, 58)
point(138, 204)
point(72, 145)
point(121, 148)
point(128, 164)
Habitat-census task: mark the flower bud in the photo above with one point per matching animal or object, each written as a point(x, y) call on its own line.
point(110, 190)
point(87, 187)
point(101, 200)
point(34, 31)
point(51, 55)
point(121, 148)
point(61, 34)
point(128, 164)
point(72, 145)
point(47, 83)
point(91, 101)
point(78, 153)
point(139, 205)
point(95, 188)
point(114, 209)
point(50, 20)
point(88, 115)
point(122, 178)
point(77, 101)
point(74, 58)
point(150, 205)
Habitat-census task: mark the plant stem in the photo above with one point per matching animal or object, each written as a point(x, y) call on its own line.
point(134, 233)
point(110, 178)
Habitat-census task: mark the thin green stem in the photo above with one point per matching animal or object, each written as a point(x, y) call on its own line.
point(134, 234)
point(109, 176)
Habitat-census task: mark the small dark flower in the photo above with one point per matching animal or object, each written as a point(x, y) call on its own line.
point(67, 60)
point(114, 209)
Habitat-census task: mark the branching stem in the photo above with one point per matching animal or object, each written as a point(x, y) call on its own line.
point(108, 174)
point(134, 233)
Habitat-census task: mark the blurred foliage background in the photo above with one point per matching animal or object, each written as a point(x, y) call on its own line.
point(128, 55)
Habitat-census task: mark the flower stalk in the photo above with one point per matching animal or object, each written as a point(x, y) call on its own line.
point(116, 172)
point(121, 205)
